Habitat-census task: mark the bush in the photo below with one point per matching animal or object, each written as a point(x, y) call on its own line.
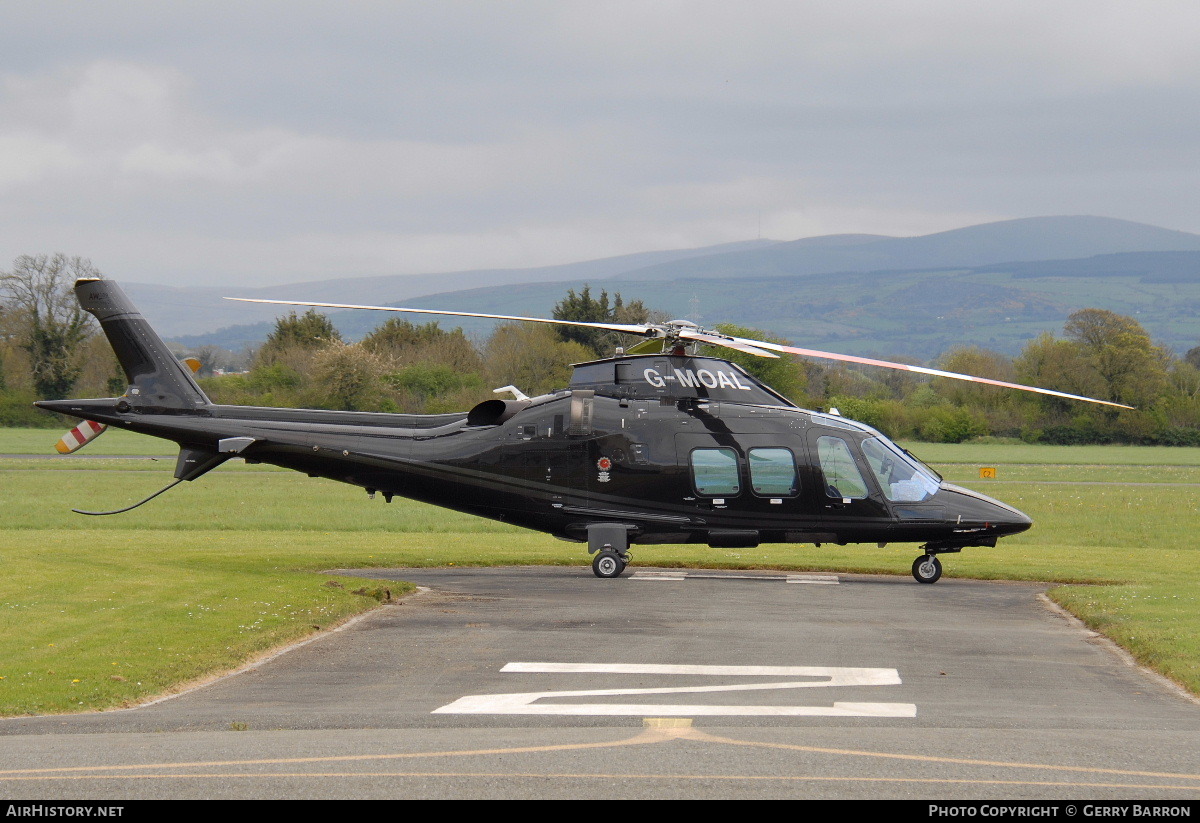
point(17, 411)
point(1076, 433)
point(888, 416)
point(1177, 436)
point(948, 424)
point(347, 378)
point(274, 376)
point(433, 381)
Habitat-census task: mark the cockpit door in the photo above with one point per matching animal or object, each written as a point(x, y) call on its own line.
point(845, 487)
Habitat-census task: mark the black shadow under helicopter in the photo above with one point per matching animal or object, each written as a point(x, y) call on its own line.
point(652, 445)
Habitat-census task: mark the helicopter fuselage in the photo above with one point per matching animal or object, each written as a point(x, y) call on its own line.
point(728, 465)
point(639, 448)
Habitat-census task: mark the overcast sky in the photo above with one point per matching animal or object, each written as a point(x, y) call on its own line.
point(271, 142)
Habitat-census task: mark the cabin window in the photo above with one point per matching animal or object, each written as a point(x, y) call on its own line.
point(715, 471)
point(842, 477)
point(902, 479)
point(773, 473)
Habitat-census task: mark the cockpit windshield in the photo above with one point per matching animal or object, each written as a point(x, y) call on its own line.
point(902, 478)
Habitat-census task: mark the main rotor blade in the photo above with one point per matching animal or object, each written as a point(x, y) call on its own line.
point(868, 361)
point(756, 347)
point(622, 327)
point(750, 347)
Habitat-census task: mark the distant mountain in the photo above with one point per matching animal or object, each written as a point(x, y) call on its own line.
point(995, 284)
point(1148, 267)
point(180, 311)
point(916, 313)
point(1027, 239)
point(189, 310)
point(833, 240)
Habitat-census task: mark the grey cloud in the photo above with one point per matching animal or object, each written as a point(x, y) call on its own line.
point(276, 140)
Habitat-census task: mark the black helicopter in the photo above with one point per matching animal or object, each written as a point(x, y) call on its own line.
point(652, 445)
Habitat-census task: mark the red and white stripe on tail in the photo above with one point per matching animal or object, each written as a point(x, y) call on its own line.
point(80, 436)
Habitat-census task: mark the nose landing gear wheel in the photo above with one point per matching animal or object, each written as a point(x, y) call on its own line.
point(927, 569)
point(608, 564)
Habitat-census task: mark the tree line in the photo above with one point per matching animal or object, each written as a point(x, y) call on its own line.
point(1101, 354)
point(51, 349)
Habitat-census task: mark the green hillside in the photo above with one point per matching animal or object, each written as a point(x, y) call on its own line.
point(1026, 239)
point(916, 314)
point(860, 294)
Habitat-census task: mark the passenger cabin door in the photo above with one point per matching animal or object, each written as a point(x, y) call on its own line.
point(756, 473)
point(711, 476)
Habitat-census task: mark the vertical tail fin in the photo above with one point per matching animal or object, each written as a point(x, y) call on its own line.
point(156, 377)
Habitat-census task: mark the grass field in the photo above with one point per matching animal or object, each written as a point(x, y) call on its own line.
point(103, 612)
point(113, 441)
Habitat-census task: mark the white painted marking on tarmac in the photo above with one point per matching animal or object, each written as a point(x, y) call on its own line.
point(837, 675)
point(817, 579)
point(821, 676)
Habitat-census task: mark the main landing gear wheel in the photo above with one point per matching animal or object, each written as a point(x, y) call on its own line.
point(608, 564)
point(927, 569)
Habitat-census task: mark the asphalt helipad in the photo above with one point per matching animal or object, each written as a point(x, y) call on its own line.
point(548, 682)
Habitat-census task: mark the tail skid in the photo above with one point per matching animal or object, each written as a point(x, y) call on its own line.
point(158, 382)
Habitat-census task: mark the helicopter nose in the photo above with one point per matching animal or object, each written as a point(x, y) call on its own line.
point(975, 508)
point(1010, 521)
